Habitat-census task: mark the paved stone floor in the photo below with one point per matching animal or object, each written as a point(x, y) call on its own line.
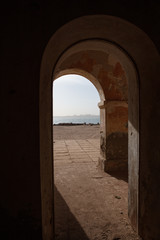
point(76, 151)
point(89, 204)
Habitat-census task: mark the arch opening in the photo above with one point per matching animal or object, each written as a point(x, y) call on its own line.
point(109, 69)
point(75, 95)
point(76, 152)
point(87, 75)
point(116, 36)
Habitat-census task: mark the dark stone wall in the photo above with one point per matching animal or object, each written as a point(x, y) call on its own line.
point(26, 27)
point(117, 146)
point(116, 152)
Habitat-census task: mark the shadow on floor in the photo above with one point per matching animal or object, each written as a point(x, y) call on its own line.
point(66, 225)
point(120, 175)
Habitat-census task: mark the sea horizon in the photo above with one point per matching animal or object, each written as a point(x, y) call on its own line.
point(77, 119)
point(76, 115)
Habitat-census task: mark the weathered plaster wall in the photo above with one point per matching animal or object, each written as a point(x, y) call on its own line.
point(105, 67)
point(117, 136)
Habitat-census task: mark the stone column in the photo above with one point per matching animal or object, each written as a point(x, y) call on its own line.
point(114, 135)
point(102, 158)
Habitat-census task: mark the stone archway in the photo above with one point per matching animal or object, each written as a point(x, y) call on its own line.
point(132, 47)
point(108, 68)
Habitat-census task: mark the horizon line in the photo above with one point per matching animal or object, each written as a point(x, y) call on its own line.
point(76, 115)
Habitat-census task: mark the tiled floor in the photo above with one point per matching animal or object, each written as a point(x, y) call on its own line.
point(76, 151)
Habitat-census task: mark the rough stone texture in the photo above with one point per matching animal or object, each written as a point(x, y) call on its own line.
point(117, 117)
point(117, 146)
point(114, 135)
point(117, 136)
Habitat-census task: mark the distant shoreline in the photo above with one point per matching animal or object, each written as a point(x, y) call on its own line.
point(74, 124)
point(81, 115)
point(76, 120)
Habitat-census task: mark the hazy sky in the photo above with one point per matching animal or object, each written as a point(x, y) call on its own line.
point(74, 95)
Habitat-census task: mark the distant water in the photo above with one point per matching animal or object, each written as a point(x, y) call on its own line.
point(94, 119)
